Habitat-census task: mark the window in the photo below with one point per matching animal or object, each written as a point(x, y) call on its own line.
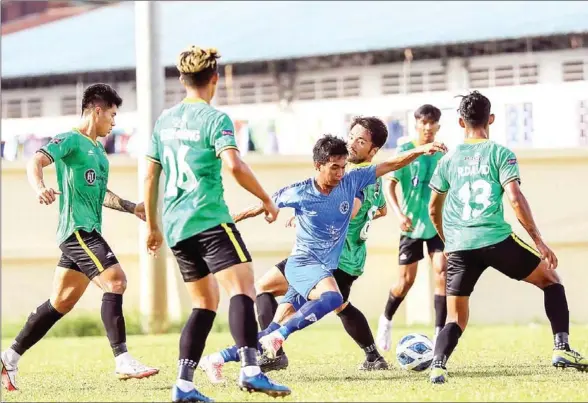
point(69, 105)
point(351, 87)
point(14, 109)
point(34, 108)
point(306, 90)
point(329, 88)
point(504, 76)
point(247, 93)
point(573, 71)
point(391, 83)
point(479, 77)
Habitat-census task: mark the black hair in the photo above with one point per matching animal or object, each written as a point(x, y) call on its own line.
point(428, 112)
point(474, 109)
point(377, 128)
point(197, 66)
point(329, 146)
point(100, 95)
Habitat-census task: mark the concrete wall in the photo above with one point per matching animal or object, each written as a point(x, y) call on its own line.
point(554, 182)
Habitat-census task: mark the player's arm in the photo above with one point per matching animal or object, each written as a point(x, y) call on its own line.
point(381, 212)
point(405, 158)
point(151, 195)
point(251, 212)
point(35, 176)
point(112, 201)
point(522, 210)
point(392, 197)
point(356, 206)
point(436, 211)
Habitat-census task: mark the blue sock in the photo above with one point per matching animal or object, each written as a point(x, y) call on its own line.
point(231, 354)
point(311, 312)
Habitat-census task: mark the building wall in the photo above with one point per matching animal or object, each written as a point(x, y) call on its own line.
point(552, 181)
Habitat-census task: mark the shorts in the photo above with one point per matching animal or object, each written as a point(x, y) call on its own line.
point(411, 250)
point(512, 257)
point(86, 252)
point(344, 282)
point(210, 251)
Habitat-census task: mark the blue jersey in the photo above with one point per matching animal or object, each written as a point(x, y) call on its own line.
point(322, 220)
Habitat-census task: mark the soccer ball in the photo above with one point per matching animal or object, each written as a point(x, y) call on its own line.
point(414, 352)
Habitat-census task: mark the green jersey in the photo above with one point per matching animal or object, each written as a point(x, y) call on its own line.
point(414, 181)
point(82, 175)
point(187, 140)
point(352, 259)
point(473, 176)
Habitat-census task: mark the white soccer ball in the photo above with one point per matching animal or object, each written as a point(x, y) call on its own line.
point(414, 352)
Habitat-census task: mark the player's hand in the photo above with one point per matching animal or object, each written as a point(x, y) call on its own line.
point(547, 255)
point(140, 211)
point(291, 222)
point(405, 223)
point(154, 241)
point(271, 211)
point(434, 147)
point(47, 195)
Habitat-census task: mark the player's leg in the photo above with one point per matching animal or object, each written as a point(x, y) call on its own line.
point(410, 252)
point(92, 254)
point(463, 271)
point(227, 258)
point(271, 285)
point(204, 295)
point(356, 325)
point(318, 283)
point(439, 264)
point(523, 262)
point(69, 285)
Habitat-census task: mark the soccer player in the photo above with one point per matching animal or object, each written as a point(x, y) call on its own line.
point(322, 206)
point(366, 136)
point(82, 174)
point(466, 208)
point(190, 143)
point(415, 226)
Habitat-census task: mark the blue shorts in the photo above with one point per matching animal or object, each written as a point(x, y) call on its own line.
point(302, 279)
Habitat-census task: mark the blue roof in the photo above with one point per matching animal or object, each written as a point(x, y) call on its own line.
point(103, 39)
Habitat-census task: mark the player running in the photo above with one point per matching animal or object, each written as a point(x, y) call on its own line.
point(466, 208)
point(82, 175)
point(415, 226)
point(190, 142)
point(322, 206)
point(366, 136)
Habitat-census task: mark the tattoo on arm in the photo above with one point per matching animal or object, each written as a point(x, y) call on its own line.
point(116, 203)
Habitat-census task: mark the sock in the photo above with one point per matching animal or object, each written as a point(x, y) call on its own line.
point(392, 305)
point(312, 311)
point(242, 321)
point(192, 341)
point(231, 354)
point(446, 343)
point(356, 326)
point(249, 365)
point(440, 312)
point(266, 309)
point(37, 325)
point(114, 322)
point(556, 308)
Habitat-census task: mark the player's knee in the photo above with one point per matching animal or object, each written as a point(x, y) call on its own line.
point(339, 311)
point(209, 302)
point(332, 300)
point(405, 283)
point(64, 302)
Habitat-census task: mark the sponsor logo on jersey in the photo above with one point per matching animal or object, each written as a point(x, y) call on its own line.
point(227, 132)
point(512, 161)
point(344, 207)
point(90, 176)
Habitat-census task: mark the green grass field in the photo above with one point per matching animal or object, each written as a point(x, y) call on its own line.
point(492, 363)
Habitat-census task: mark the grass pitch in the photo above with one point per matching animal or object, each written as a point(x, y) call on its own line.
point(491, 363)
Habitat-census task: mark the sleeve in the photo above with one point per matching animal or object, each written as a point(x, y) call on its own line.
point(362, 177)
point(360, 195)
point(381, 199)
point(508, 167)
point(223, 135)
point(288, 196)
point(439, 182)
point(60, 146)
point(153, 153)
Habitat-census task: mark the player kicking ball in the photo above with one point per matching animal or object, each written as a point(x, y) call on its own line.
point(467, 210)
point(82, 174)
point(367, 135)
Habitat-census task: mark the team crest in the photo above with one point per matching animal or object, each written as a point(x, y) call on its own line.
point(90, 176)
point(55, 140)
point(344, 207)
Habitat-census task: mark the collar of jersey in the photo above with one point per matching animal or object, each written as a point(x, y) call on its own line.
point(190, 100)
point(361, 164)
point(75, 129)
point(474, 141)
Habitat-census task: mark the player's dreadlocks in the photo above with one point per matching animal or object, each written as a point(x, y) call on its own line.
point(100, 95)
point(328, 146)
point(377, 128)
point(474, 109)
point(197, 65)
